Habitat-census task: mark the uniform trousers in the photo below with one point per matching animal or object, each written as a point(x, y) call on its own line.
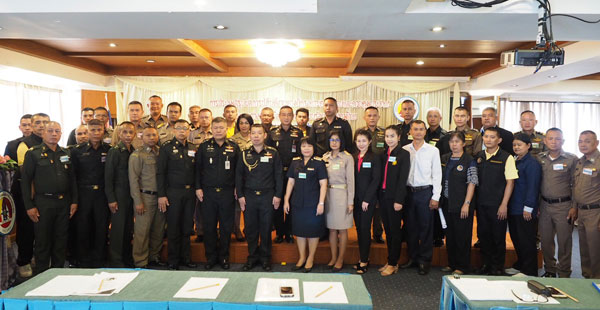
point(218, 208)
point(392, 223)
point(198, 218)
point(419, 225)
point(92, 227)
point(459, 236)
point(51, 232)
point(121, 229)
point(25, 229)
point(377, 224)
point(180, 224)
point(553, 222)
point(492, 235)
point(258, 218)
point(362, 220)
point(524, 235)
point(589, 241)
point(149, 230)
point(281, 221)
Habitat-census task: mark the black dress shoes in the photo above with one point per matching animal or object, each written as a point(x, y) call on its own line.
point(378, 239)
point(248, 266)
point(156, 263)
point(266, 266)
point(278, 239)
point(484, 270)
point(199, 238)
point(296, 267)
point(209, 265)
point(225, 264)
point(289, 239)
point(549, 275)
point(423, 269)
point(190, 264)
point(409, 264)
point(173, 267)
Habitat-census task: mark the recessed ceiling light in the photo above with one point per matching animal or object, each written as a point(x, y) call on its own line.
point(552, 76)
point(437, 28)
point(514, 85)
point(220, 27)
point(150, 61)
point(420, 62)
point(442, 45)
point(597, 95)
point(57, 21)
point(1, 28)
point(112, 44)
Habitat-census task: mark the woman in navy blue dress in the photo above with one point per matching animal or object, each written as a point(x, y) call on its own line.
point(305, 198)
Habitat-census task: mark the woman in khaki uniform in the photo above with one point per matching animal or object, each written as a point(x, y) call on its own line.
point(339, 203)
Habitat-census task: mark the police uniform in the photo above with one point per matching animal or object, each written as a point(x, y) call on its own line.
point(555, 202)
point(215, 176)
point(433, 137)
point(137, 141)
point(149, 227)
point(108, 135)
point(505, 144)
point(319, 134)
point(537, 142)
point(165, 133)
point(51, 174)
point(93, 213)
point(378, 148)
point(405, 137)
point(258, 180)
point(116, 181)
point(305, 197)
point(197, 136)
point(148, 121)
point(175, 179)
point(472, 142)
point(493, 171)
point(586, 193)
point(287, 143)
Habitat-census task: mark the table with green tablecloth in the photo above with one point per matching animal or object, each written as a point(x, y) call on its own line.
point(581, 289)
point(154, 290)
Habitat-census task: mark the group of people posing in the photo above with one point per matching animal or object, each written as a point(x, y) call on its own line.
point(312, 182)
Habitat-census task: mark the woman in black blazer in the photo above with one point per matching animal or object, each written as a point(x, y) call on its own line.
point(395, 162)
point(367, 176)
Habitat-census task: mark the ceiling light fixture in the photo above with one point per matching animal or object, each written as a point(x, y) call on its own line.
point(1, 28)
point(442, 45)
point(514, 85)
point(437, 28)
point(112, 44)
point(150, 61)
point(420, 63)
point(221, 27)
point(552, 76)
point(277, 53)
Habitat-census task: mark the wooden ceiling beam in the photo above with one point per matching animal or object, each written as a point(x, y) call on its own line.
point(128, 54)
point(433, 55)
point(232, 71)
point(252, 55)
point(359, 49)
point(198, 51)
point(39, 50)
point(413, 71)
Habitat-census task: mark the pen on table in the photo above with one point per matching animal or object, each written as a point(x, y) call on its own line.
point(203, 287)
point(101, 282)
point(571, 297)
point(325, 291)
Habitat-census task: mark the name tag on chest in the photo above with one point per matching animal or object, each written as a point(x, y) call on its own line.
point(535, 145)
point(379, 144)
point(366, 164)
point(392, 158)
point(264, 159)
point(335, 166)
point(558, 167)
point(64, 159)
point(227, 165)
point(191, 153)
point(302, 175)
point(588, 171)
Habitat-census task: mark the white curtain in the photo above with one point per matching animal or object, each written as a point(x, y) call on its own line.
point(571, 117)
point(208, 91)
point(18, 99)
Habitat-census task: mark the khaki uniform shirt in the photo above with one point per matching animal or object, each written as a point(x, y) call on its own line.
point(197, 136)
point(587, 180)
point(165, 133)
point(340, 171)
point(557, 175)
point(137, 139)
point(148, 121)
point(537, 142)
point(243, 143)
point(142, 172)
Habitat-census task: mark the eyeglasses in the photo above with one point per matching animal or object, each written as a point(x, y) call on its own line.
point(335, 140)
point(181, 128)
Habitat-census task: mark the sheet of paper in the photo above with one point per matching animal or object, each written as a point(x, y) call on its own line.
point(202, 288)
point(268, 289)
point(60, 286)
point(519, 288)
point(324, 292)
point(105, 284)
point(481, 289)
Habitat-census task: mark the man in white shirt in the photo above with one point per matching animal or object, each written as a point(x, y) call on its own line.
point(424, 188)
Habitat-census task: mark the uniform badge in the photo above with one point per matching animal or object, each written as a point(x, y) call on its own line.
point(479, 160)
point(459, 167)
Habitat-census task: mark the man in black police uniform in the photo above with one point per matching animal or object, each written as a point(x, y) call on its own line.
point(259, 186)
point(489, 119)
point(25, 128)
point(175, 178)
point(407, 111)
point(216, 160)
point(285, 139)
point(435, 133)
point(47, 169)
point(92, 218)
point(371, 118)
point(319, 131)
point(87, 114)
point(25, 231)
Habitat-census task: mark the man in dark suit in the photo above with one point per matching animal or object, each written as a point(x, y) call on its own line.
point(489, 119)
point(25, 128)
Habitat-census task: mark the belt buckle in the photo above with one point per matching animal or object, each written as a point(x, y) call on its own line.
point(285, 168)
point(257, 193)
point(61, 196)
point(218, 189)
point(188, 186)
point(95, 187)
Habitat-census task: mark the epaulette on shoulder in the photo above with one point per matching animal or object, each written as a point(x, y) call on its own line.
point(270, 148)
point(539, 133)
point(297, 158)
point(347, 153)
point(160, 125)
point(318, 158)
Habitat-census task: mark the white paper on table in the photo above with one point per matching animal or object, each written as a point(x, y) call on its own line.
point(335, 295)
point(59, 286)
point(269, 289)
point(105, 284)
point(481, 289)
point(210, 288)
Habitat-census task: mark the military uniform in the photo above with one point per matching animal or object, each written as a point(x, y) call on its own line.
point(287, 143)
point(537, 142)
point(139, 133)
point(319, 134)
point(51, 174)
point(148, 121)
point(433, 137)
point(116, 180)
point(93, 213)
point(149, 227)
point(197, 136)
point(586, 193)
point(165, 133)
point(108, 135)
point(556, 201)
point(215, 176)
point(258, 180)
point(472, 142)
point(175, 179)
point(405, 137)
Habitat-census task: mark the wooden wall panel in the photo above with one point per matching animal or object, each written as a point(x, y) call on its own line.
point(95, 98)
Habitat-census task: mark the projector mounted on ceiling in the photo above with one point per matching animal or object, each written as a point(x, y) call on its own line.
point(532, 57)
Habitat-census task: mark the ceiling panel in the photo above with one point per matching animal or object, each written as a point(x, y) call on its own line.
point(434, 46)
point(134, 45)
point(310, 46)
point(412, 63)
point(123, 61)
